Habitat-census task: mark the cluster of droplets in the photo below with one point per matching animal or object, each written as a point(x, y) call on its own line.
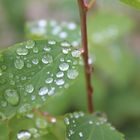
point(70, 121)
point(31, 60)
point(59, 31)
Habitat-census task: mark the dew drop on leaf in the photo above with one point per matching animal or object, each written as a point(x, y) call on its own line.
point(24, 135)
point(81, 134)
point(11, 96)
point(22, 51)
point(19, 64)
point(47, 59)
point(76, 53)
point(29, 88)
point(59, 82)
point(49, 80)
point(41, 123)
point(35, 61)
point(72, 73)
point(43, 91)
point(30, 44)
point(64, 66)
point(59, 74)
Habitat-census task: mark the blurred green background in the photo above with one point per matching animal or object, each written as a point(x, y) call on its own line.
point(114, 43)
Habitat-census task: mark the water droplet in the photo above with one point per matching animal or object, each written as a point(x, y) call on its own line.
point(3, 103)
point(11, 96)
point(30, 44)
point(24, 135)
point(81, 134)
point(22, 51)
point(72, 73)
point(65, 50)
point(43, 91)
point(90, 122)
point(64, 66)
point(76, 53)
point(24, 108)
point(47, 59)
point(60, 74)
point(19, 64)
point(65, 44)
point(51, 42)
point(59, 82)
point(29, 65)
point(35, 50)
point(41, 123)
point(35, 61)
point(66, 120)
point(4, 67)
point(49, 80)
point(0, 72)
point(29, 88)
point(47, 49)
point(51, 91)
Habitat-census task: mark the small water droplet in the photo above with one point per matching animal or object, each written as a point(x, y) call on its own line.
point(72, 73)
point(49, 80)
point(51, 42)
point(81, 134)
point(19, 64)
point(59, 82)
point(64, 66)
point(24, 108)
point(24, 135)
point(60, 74)
point(35, 61)
point(43, 91)
point(30, 44)
point(22, 51)
point(47, 59)
point(35, 50)
point(90, 122)
point(47, 49)
point(29, 88)
point(3, 103)
point(65, 50)
point(65, 44)
point(11, 96)
point(29, 65)
point(66, 120)
point(51, 91)
point(76, 53)
point(41, 123)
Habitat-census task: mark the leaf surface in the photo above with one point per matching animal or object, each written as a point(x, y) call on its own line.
point(32, 71)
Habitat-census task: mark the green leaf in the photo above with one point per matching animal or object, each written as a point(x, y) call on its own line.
point(32, 71)
point(134, 3)
point(52, 29)
point(90, 127)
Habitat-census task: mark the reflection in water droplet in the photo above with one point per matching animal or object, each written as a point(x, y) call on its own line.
point(72, 73)
point(80, 134)
point(60, 74)
point(49, 80)
point(43, 91)
point(47, 59)
point(24, 135)
point(59, 82)
point(30, 44)
point(11, 96)
point(29, 88)
point(76, 53)
point(35, 61)
point(22, 51)
point(64, 66)
point(19, 64)
point(41, 123)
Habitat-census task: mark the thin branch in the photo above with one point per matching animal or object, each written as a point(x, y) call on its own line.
point(91, 4)
point(88, 69)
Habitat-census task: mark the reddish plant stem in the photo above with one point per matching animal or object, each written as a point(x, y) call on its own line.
point(83, 8)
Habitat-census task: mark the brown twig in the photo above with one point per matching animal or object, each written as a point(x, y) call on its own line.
point(83, 9)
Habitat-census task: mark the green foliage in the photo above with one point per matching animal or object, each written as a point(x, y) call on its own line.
point(134, 3)
point(34, 70)
point(89, 127)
